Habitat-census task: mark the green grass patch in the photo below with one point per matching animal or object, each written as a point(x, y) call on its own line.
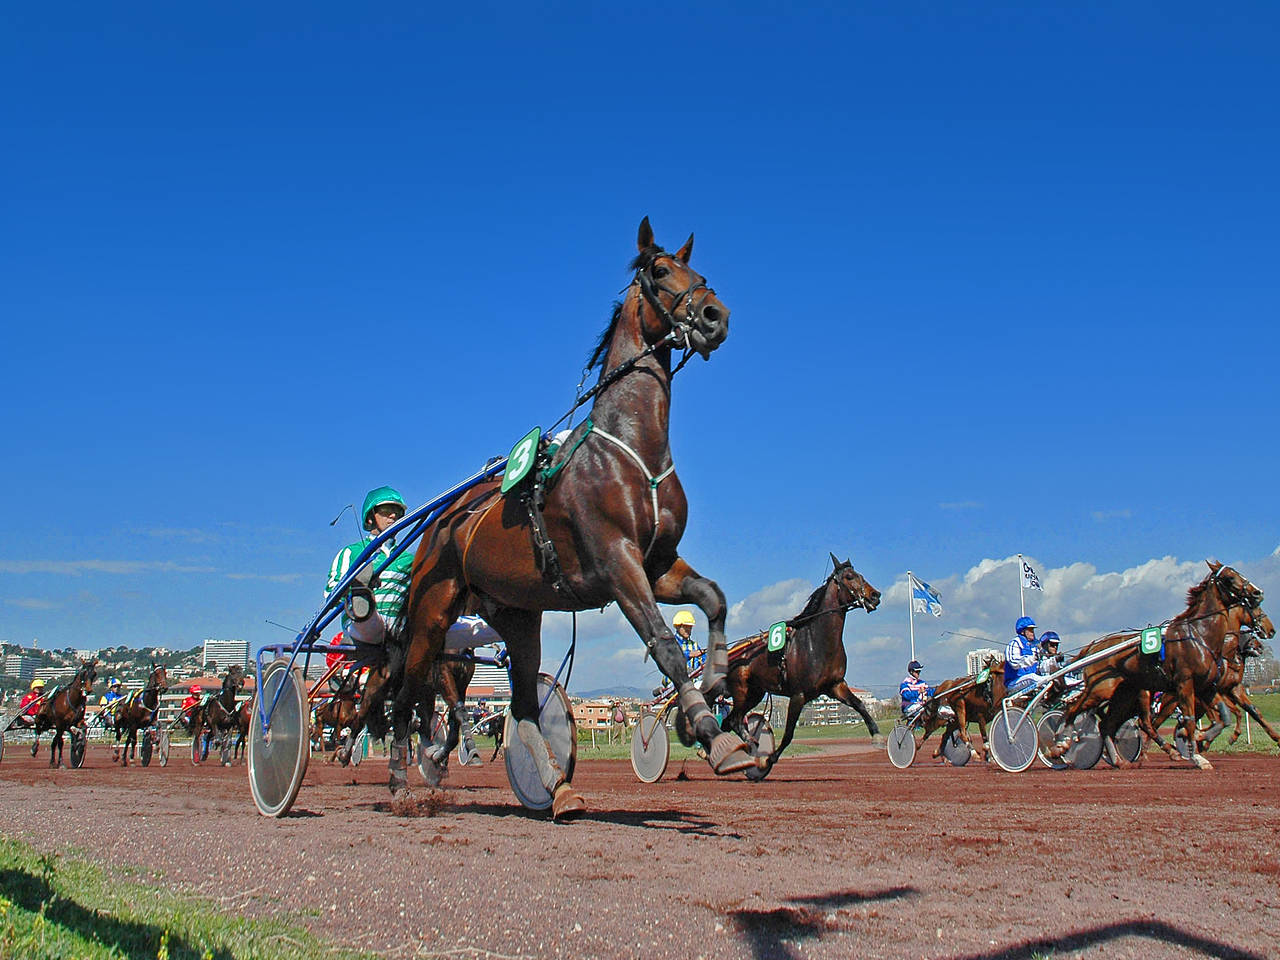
point(64, 906)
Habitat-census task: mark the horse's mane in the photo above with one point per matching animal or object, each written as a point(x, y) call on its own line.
point(1195, 593)
point(814, 602)
point(641, 262)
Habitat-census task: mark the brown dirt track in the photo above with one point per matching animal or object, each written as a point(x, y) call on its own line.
point(835, 855)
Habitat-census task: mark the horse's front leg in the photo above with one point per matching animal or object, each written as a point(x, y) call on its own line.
point(794, 708)
point(1186, 696)
point(726, 752)
point(840, 691)
point(682, 584)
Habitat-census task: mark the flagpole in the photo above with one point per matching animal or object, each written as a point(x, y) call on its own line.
point(911, 603)
point(1021, 597)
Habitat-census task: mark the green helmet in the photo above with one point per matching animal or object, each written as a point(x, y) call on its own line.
point(380, 496)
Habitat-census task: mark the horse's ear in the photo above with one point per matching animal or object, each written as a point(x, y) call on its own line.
point(644, 240)
point(835, 564)
point(685, 252)
point(1214, 565)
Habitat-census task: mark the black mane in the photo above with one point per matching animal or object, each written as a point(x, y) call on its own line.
point(641, 262)
point(814, 603)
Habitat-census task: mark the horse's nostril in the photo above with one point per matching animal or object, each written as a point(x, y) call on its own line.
point(712, 313)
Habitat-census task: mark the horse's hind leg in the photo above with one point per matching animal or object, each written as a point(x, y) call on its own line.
point(794, 707)
point(744, 694)
point(682, 584)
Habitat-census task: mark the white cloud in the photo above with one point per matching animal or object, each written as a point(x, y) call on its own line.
point(74, 568)
point(31, 603)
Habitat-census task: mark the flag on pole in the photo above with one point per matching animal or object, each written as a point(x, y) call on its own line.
point(1029, 578)
point(924, 599)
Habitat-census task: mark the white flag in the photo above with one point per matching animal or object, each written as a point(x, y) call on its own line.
point(924, 599)
point(1029, 578)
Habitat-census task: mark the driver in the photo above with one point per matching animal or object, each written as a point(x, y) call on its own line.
point(372, 606)
point(683, 623)
point(914, 691)
point(1021, 658)
point(187, 713)
point(110, 697)
point(29, 705)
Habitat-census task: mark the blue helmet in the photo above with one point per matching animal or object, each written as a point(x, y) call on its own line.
point(914, 665)
point(1022, 624)
point(1049, 637)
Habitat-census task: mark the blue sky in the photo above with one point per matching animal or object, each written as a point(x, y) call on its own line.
point(1002, 280)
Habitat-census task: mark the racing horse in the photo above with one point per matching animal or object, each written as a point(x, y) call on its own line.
point(1188, 667)
point(599, 521)
point(137, 712)
point(811, 664)
point(338, 711)
point(218, 714)
point(968, 701)
point(64, 709)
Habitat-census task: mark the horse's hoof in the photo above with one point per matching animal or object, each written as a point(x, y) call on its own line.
point(729, 754)
point(567, 804)
point(880, 740)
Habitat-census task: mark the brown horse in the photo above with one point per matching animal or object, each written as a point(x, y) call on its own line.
point(1188, 668)
point(137, 712)
point(337, 711)
point(812, 663)
point(601, 522)
point(218, 714)
point(64, 709)
point(969, 701)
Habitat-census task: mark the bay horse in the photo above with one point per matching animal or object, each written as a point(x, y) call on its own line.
point(1188, 667)
point(601, 523)
point(218, 713)
point(137, 712)
point(64, 709)
point(338, 711)
point(969, 701)
point(812, 663)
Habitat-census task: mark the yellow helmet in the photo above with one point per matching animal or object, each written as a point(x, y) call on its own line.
point(683, 619)
point(37, 684)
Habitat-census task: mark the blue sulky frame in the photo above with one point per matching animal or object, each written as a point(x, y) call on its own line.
point(409, 528)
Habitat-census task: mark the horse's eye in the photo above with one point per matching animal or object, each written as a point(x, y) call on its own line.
point(660, 272)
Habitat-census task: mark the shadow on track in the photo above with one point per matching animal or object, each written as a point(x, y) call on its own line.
point(765, 930)
point(1156, 930)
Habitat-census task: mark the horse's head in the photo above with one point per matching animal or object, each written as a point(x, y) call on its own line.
point(853, 589)
point(159, 678)
point(1238, 592)
point(680, 304)
point(87, 674)
point(234, 678)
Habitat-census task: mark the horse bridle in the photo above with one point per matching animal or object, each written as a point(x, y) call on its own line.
point(651, 287)
point(852, 603)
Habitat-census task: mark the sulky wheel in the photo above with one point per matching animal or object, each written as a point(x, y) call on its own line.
point(650, 747)
point(1047, 734)
point(1130, 740)
point(145, 750)
point(200, 747)
point(162, 747)
point(360, 749)
point(1013, 740)
point(1088, 742)
point(955, 749)
point(278, 753)
point(902, 745)
point(760, 743)
point(561, 733)
point(78, 743)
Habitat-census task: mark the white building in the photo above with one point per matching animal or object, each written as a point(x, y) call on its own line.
point(20, 666)
point(225, 653)
point(973, 662)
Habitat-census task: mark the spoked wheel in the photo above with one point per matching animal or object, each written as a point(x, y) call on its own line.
point(1088, 742)
point(162, 747)
point(78, 743)
point(278, 754)
point(144, 752)
point(760, 743)
point(1130, 740)
point(1047, 732)
point(557, 725)
point(650, 748)
point(1013, 740)
point(955, 749)
point(902, 745)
